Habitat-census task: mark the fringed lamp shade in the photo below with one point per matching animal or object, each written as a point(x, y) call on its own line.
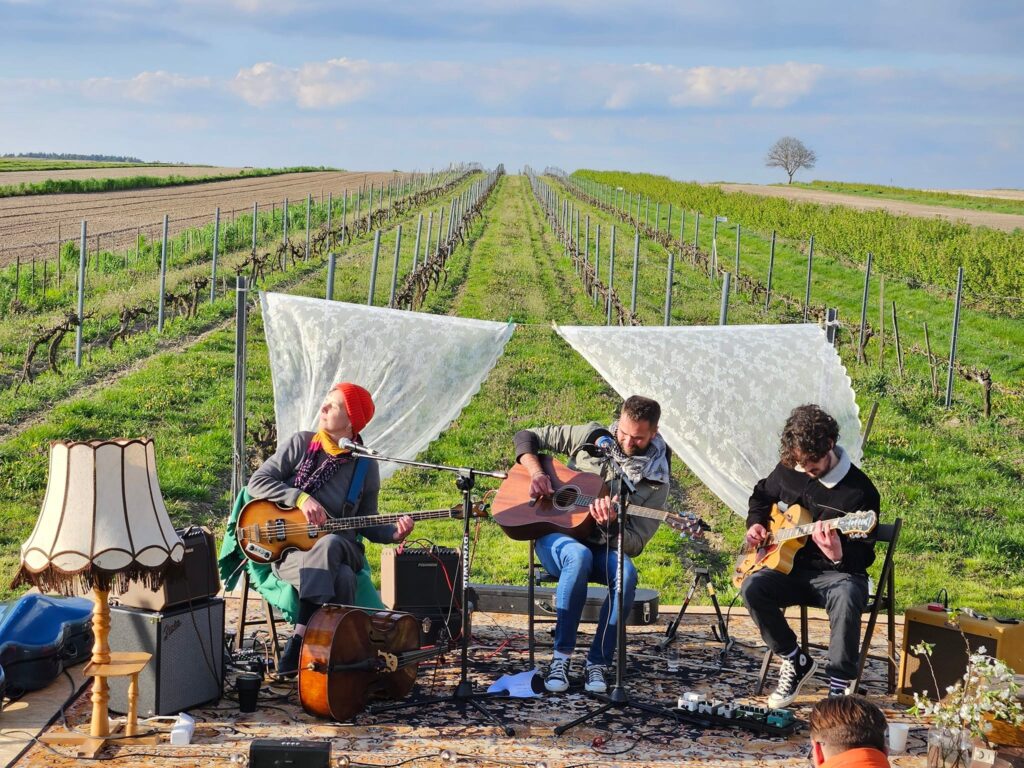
point(103, 521)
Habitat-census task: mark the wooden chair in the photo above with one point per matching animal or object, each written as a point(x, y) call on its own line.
point(884, 597)
point(270, 618)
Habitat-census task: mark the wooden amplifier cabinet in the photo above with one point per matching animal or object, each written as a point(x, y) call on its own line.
point(949, 657)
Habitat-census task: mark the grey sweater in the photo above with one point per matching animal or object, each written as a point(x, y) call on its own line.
point(273, 481)
point(568, 441)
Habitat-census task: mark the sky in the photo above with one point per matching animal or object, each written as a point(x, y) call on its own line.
point(919, 93)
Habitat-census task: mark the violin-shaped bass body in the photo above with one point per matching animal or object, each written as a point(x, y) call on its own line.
point(350, 655)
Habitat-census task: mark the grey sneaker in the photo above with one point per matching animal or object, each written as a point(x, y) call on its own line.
point(558, 676)
point(595, 679)
point(792, 676)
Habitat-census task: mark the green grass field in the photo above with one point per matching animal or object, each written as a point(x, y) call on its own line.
point(923, 196)
point(121, 183)
point(955, 477)
point(40, 164)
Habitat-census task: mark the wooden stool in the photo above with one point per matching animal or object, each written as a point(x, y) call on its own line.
point(121, 664)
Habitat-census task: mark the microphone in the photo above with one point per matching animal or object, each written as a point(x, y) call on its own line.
point(607, 445)
point(351, 445)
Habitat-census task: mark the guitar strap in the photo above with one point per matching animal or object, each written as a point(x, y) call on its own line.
point(355, 488)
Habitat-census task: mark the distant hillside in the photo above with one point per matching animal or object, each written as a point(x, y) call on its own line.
point(71, 156)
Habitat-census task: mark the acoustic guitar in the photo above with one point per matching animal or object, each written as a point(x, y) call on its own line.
point(788, 532)
point(266, 530)
point(567, 511)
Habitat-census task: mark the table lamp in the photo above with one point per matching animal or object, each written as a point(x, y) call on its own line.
point(103, 523)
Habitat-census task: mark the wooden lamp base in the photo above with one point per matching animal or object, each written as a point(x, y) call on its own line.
point(106, 664)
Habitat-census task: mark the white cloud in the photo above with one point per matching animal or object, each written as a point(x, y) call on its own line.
point(145, 87)
point(773, 86)
point(314, 85)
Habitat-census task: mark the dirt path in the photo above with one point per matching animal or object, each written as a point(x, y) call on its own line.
point(1006, 222)
point(29, 225)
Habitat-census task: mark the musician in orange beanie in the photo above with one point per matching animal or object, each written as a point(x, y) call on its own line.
point(312, 472)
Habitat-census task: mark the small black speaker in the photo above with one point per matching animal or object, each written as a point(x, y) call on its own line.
point(426, 583)
point(187, 668)
point(193, 579)
point(420, 581)
point(279, 753)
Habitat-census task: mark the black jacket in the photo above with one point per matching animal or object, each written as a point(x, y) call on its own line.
point(854, 492)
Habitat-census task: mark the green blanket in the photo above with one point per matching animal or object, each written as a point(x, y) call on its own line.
point(262, 578)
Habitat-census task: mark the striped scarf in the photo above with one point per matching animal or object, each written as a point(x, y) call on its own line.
point(311, 474)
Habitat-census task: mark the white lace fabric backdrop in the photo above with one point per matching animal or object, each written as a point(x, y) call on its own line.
point(421, 369)
point(725, 391)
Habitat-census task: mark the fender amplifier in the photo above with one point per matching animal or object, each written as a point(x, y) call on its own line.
point(187, 668)
point(193, 579)
point(1001, 639)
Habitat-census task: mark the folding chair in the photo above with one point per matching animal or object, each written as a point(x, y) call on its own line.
point(884, 597)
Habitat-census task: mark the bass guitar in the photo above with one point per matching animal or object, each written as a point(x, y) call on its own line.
point(788, 532)
point(266, 530)
point(567, 511)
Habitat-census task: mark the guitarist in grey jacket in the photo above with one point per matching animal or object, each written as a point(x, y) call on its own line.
point(830, 570)
point(576, 563)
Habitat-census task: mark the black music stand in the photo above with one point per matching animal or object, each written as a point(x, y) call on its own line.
point(721, 632)
point(463, 694)
point(618, 696)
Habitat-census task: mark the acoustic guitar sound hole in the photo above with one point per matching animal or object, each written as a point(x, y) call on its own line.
point(565, 497)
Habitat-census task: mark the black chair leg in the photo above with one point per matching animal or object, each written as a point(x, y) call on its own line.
point(763, 676)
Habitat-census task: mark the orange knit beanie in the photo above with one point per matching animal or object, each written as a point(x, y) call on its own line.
point(358, 405)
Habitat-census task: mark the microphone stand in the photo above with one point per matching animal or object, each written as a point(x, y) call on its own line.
point(618, 696)
point(463, 694)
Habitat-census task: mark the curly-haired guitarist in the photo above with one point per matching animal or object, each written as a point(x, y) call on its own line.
point(830, 571)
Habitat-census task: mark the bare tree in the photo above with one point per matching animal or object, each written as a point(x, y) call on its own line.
point(791, 155)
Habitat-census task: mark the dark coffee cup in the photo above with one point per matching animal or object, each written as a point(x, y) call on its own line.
point(248, 686)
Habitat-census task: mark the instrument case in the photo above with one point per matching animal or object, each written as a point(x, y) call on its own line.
point(501, 598)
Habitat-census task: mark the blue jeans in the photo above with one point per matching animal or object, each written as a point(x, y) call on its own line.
point(576, 564)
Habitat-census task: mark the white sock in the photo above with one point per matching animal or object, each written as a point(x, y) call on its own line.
point(560, 655)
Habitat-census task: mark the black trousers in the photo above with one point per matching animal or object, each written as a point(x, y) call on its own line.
point(843, 595)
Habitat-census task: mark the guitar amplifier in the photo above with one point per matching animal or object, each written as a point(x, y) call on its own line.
point(420, 580)
point(187, 668)
point(192, 580)
point(426, 583)
point(1003, 640)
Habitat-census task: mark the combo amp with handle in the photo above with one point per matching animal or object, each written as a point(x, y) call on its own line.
point(192, 580)
point(1002, 639)
point(187, 645)
point(426, 583)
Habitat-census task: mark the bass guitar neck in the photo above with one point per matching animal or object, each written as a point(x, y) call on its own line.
point(266, 530)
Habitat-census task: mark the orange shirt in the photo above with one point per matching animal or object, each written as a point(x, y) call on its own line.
point(861, 757)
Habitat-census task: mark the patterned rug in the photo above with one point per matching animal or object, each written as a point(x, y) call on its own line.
point(419, 734)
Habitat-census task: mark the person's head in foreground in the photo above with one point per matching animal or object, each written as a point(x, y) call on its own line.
point(850, 726)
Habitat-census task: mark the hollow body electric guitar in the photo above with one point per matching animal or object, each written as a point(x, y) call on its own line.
point(266, 530)
point(567, 511)
point(788, 532)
